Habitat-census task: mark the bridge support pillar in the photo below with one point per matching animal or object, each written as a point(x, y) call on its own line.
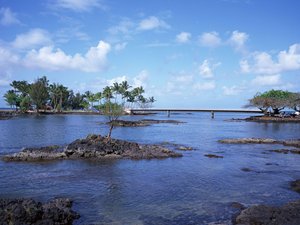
point(168, 113)
point(212, 114)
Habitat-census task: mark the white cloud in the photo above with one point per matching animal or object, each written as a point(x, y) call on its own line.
point(7, 17)
point(210, 39)
point(183, 37)
point(245, 67)
point(124, 27)
point(119, 79)
point(205, 86)
point(120, 46)
point(79, 5)
point(233, 90)
point(8, 58)
point(141, 79)
point(206, 69)
point(266, 80)
point(32, 39)
point(4, 79)
point(238, 40)
point(184, 78)
point(151, 23)
point(179, 82)
point(55, 59)
point(263, 63)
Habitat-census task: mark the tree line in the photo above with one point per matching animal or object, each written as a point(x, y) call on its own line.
point(41, 95)
point(274, 101)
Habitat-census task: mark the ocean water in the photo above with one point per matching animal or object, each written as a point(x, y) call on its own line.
point(193, 189)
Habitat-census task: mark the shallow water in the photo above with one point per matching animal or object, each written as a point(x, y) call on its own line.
point(193, 189)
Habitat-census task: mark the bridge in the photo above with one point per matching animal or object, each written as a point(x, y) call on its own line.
point(212, 111)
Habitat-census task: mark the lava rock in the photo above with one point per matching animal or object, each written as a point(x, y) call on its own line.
point(295, 185)
point(94, 147)
point(288, 214)
point(28, 211)
point(213, 156)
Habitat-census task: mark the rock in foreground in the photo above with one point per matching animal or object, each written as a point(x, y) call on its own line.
point(28, 211)
point(93, 147)
point(288, 214)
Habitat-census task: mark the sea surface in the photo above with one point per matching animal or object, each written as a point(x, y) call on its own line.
point(193, 189)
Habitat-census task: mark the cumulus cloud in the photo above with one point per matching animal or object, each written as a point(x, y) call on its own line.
point(263, 63)
point(266, 80)
point(210, 39)
point(141, 79)
point(233, 90)
point(151, 23)
point(244, 66)
point(124, 27)
point(179, 82)
point(238, 40)
point(206, 69)
point(55, 59)
point(8, 58)
point(5, 79)
point(205, 86)
point(183, 37)
point(31, 39)
point(120, 46)
point(7, 17)
point(79, 5)
point(119, 79)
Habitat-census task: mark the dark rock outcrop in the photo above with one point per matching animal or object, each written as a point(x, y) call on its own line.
point(295, 186)
point(94, 147)
point(28, 211)
point(213, 156)
point(5, 115)
point(286, 151)
point(288, 214)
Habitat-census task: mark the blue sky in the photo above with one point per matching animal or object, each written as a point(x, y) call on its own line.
point(189, 54)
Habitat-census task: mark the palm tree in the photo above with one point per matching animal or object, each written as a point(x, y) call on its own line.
point(107, 93)
point(98, 97)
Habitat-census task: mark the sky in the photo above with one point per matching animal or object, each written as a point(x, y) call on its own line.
point(185, 53)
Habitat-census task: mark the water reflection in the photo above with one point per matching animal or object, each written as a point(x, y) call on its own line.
point(173, 191)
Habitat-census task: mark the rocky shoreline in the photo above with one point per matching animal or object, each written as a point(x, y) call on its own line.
point(288, 214)
point(5, 115)
point(93, 147)
point(267, 119)
point(31, 212)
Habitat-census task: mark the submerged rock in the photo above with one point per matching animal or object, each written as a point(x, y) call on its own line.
point(142, 123)
point(184, 148)
point(293, 143)
point(250, 141)
point(288, 214)
point(28, 211)
point(213, 156)
point(286, 151)
point(295, 185)
point(93, 147)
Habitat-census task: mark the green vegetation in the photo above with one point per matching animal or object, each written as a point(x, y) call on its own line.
point(41, 95)
point(275, 101)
